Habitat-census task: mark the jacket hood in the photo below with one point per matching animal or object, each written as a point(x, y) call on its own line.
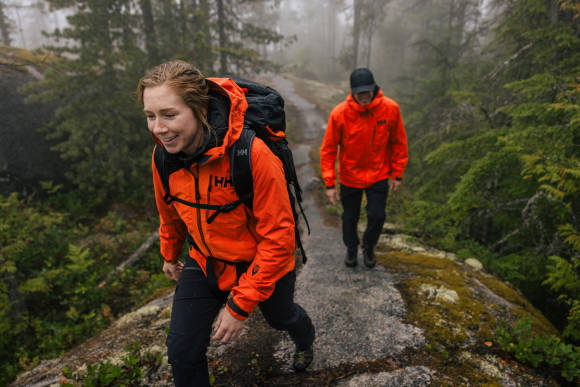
point(360, 108)
point(226, 112)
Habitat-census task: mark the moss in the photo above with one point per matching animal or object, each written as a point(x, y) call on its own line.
point(449, 327)
point(18, 58)
point(446, 323)
point(524, 308)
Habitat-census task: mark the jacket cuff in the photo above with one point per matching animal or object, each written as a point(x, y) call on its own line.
point(173, 262)
point(398, 178)
point(235, 310)
point(330, 186)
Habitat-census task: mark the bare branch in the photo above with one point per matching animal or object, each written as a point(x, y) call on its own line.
point(506, 63)
point(135, 256)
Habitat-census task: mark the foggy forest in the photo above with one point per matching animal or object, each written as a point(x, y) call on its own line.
point(489, 91)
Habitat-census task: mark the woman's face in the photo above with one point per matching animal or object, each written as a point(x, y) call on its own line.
point(171, 120)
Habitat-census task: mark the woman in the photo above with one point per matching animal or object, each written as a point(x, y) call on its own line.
point(240, 259)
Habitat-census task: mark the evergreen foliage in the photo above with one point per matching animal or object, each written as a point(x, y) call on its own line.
point(58, 247)
point(97, 125)
point(497, 154)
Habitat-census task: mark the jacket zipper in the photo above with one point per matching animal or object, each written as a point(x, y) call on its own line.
point(198, 200)
point(368, 155)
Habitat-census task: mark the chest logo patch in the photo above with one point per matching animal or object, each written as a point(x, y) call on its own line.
point(222, 182)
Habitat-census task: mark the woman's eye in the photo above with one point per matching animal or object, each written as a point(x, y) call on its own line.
point(169, 115)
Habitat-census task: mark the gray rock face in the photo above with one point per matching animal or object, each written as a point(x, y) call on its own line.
point(25, 155)
point(405, 377)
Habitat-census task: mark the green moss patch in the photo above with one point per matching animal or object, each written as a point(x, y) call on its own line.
point(17, 59)
point(541, 325)
point(446, 323)
point(465, 322)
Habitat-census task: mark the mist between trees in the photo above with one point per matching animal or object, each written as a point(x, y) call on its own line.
point(489, 92)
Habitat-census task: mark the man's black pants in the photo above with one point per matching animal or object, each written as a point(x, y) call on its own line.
point(195, 307)
point(351, 199)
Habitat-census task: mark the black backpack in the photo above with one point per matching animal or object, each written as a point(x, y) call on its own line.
point(264, 118)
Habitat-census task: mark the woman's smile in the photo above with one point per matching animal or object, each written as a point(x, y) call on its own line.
point(171, 120)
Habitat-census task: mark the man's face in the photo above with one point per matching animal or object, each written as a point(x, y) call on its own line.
point(364, 98)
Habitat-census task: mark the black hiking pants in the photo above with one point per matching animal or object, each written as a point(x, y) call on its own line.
point(351, 199)
point(195, 306)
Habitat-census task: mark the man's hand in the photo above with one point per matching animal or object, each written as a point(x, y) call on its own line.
point(394, 185)
point(332, 195)
point(172, 270)
point(227, 327)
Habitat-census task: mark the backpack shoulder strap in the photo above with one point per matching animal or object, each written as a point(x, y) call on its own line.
point(241, 166)
point(243, 182)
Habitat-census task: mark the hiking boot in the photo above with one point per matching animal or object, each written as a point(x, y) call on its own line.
point(369, 257)
point(350, 259)
point(302, 359)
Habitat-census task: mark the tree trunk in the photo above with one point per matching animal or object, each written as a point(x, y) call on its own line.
point(554, 11)
point(4, 30)
point(356, 33)
point(149, 30)
point(202, 51)
point(370, 41)
point(222, 37)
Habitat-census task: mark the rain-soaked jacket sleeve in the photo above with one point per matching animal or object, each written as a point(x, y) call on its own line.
point(329, 149)
point(398, 145)
point(275, 234)
point(172, 230)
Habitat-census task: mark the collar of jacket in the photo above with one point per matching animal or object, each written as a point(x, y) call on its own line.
point(366, 108)
point(227, 132)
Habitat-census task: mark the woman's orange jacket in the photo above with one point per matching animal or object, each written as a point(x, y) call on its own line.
point(263, 237)
point(372, 141)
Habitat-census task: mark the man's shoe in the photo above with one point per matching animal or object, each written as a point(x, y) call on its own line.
point(369, 257)
point(350, 259)
point(302, 359)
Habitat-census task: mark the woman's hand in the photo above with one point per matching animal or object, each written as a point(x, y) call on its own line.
point(332, 195)
point(227, 327)
point(394, 185)
point(172, 270)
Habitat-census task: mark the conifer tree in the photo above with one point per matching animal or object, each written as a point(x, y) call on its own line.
point(545, 132)
point(98, 126)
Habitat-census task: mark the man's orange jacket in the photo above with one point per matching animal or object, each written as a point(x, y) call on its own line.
point(263, 237)
point(372, 142)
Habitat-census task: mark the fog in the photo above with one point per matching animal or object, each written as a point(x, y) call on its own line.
point(323, 39)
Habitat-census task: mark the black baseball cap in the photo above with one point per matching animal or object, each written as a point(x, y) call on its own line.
point(361, 80)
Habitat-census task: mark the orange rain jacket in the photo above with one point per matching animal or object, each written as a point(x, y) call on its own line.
point(263, 237)
point(372, 140)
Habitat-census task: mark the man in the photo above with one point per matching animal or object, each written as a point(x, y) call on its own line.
point(369, 130)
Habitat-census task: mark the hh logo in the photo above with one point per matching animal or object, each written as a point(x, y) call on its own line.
point(223, 182)
point(381, 122)
point(242, 152)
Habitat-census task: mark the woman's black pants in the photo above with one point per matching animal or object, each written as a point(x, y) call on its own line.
point(195, 307)
point(351, 199)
